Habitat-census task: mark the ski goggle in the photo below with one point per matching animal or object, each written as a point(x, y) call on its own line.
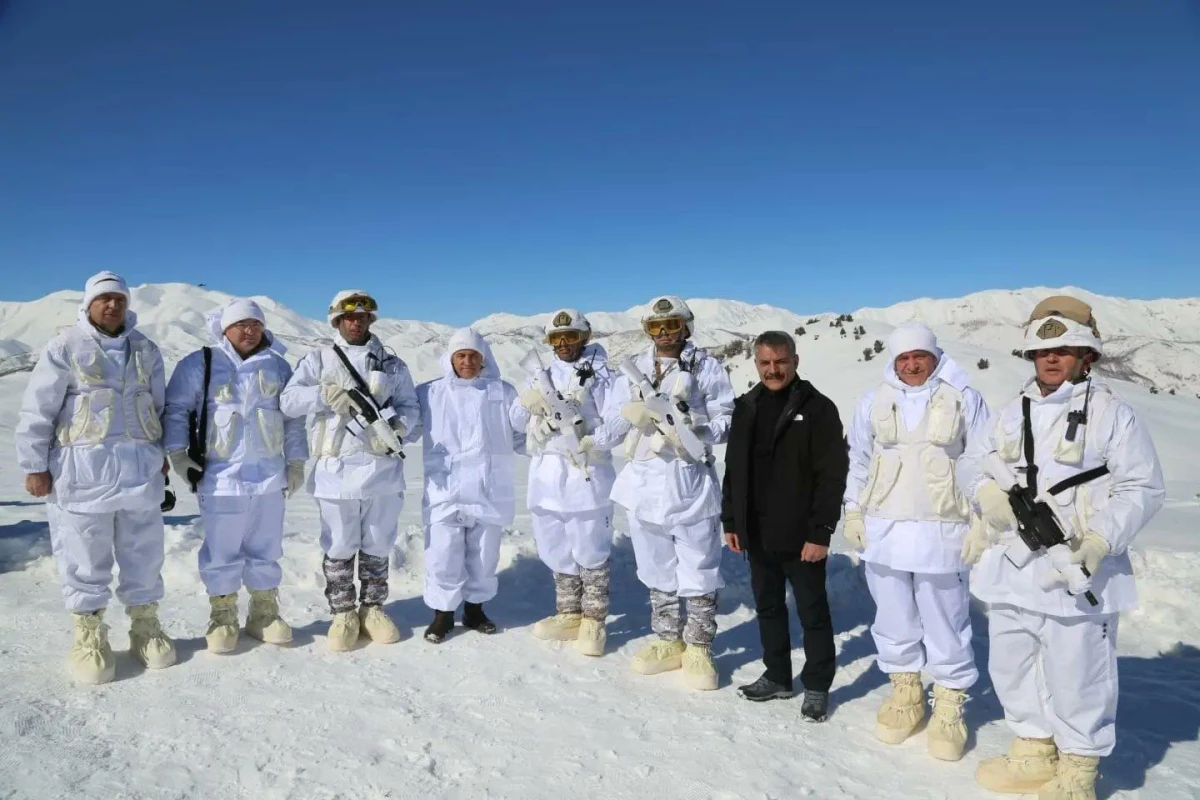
point(559, 338)
point(657, 327)
point(358, 302)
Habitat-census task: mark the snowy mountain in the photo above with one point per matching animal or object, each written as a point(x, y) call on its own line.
point(1153, 343)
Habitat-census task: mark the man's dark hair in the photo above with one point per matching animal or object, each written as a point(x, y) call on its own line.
point(775, 340)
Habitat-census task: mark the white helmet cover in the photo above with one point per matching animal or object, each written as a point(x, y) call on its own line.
point(335, 311)
point(1061, 322)
point(668, 306)
point(569, 319)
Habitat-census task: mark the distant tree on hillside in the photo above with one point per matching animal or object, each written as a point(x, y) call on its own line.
point(1153, 390)
point(800, 331)
point(1171, 391)
point(878, 346)
point(843, 333)
point(867, 354)
point(812, 321)
point(983, 363)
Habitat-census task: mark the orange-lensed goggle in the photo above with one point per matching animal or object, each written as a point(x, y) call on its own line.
point(657, 327)
point(559, 338)
point(356, 303)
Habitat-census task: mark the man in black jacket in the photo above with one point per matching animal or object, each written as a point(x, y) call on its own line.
point(785, 474)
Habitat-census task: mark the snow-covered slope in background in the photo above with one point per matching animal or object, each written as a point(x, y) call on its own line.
point(1155, 343)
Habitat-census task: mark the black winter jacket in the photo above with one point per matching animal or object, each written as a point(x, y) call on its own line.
point(808, 479)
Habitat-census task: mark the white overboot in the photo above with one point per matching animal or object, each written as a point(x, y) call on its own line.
point(343, 631)
point(699, 671)
point(147, 642)
point(263, 622)
point(1029, 765)
point(91, 660)
point(1075, 779)
point(376, 625)
point(592, 637)
point(947, 733)
point(903, 711)
point(222, 633)
point(659, 656)
point(559, 628)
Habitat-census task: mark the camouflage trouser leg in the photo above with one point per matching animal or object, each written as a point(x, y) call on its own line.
point(664, 615)
point(701, 619)
point(595, 592)
point(339, 583)
point(373, 577)
point(568, 593)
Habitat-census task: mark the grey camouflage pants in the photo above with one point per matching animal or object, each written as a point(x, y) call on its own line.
point(339, 581)
point(666, 622)
point(373, 577)
point(585, 593)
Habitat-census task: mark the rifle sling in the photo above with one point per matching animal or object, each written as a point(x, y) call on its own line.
point(1031, 470)
point(358, 379)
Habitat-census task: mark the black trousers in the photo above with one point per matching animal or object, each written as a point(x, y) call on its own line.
point(769, 576)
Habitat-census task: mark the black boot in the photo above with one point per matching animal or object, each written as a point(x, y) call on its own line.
point(765, 689)
point(476, 620)
point(816, 705)
point(443, 623)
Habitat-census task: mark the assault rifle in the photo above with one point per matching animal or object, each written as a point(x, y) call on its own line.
point(197, 449)
point(675, 418)
point(566, 416)
point(1042, 532)
point(368, 417)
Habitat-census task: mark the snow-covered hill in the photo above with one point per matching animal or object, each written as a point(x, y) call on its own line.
point(1153, 343)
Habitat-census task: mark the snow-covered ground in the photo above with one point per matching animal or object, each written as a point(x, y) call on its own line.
point(512, 717)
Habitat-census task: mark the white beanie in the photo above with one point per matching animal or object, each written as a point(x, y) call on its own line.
point(912, 336)
point(103, 283)
point(238, 310)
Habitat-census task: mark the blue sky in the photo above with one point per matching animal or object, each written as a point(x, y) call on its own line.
point(463, 158)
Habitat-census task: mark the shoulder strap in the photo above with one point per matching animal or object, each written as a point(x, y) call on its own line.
point(1075, 480)
point(1031, 470)
point(358, 379)
point(203, 429)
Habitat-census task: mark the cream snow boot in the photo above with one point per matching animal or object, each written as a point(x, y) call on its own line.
point(263, 622)
point(1074, 780)
point(222, 634)
point(559, 628)
point(592, 637)
point(343, 631)
point(659, 656)
point(1029, 765)
point(376, 625)
point(147, 642)
point(91, 660)
point(947, 733)
point(699, 671)
point(903, 711)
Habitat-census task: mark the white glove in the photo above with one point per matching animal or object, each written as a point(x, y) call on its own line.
point(638, 415)
point(295, 476)
point(855, 530)
point(1089, 550)
point(181, 462)
point(997, 511)
point(337, 398)
point(977, 540)
point(541, 431)
point(587, 445)
point(535, 403)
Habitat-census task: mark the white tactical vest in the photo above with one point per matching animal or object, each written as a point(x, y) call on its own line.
point(88, 409)
point(254, 420)
point(328, 435)
point(1071, 456)
point(912, 472)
